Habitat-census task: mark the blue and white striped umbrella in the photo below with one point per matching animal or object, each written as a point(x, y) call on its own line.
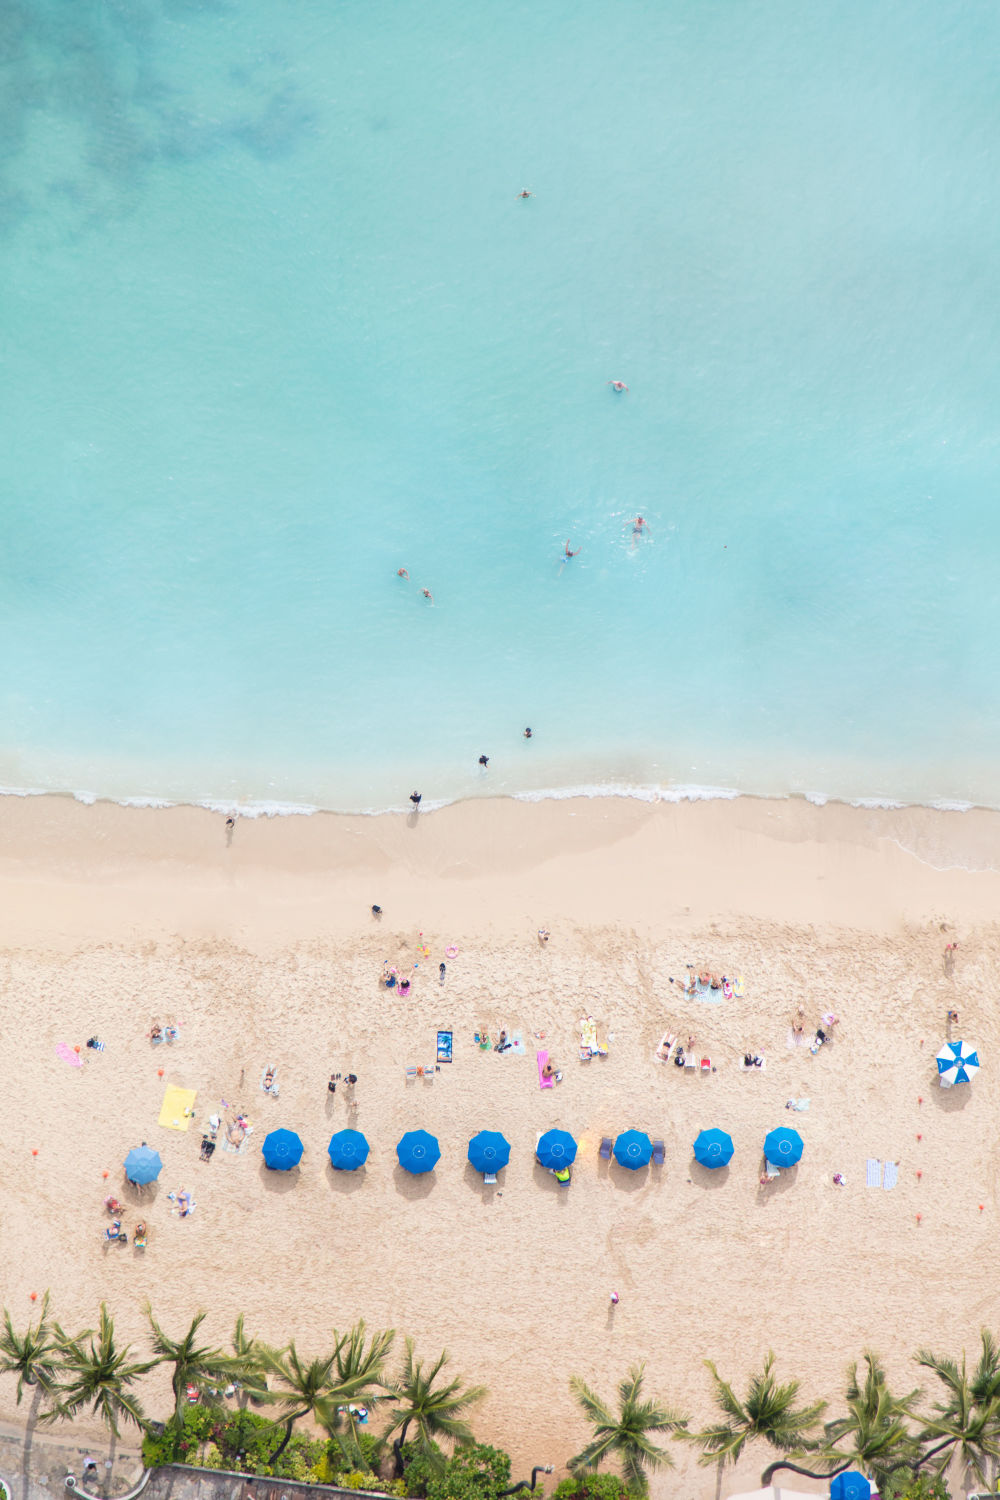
point(957, 1062)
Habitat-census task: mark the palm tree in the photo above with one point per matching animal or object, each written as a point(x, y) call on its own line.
point(874, 1434)
point(195, 1365)
point(33, 1356)
point(251, 1379)
point(625, 1434)
point(967, 1421)
point(768, 1411)
point(434, 1411)
point(101, 1376)
point(306, 1389)
point(359, 1369)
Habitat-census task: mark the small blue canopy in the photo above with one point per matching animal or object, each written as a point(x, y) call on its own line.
point(489, 1151)
point(418, 1151)
point(633, 1148)
point(783, 1147)
point(556, 1149)
point(850, 1486)
point(282, 1150)
point(143, 1165)
point(713, 1148)
point(348, 1150)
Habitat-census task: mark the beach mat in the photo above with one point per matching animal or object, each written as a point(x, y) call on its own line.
point(707, 995)
point(444, 1046)
point(175, 1102)
point(543, 1082)
point(243, 1146)
point(517, 1046)
point(873, 1172)
point(69, 1055)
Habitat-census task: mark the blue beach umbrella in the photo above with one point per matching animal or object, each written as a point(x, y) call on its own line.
point(556, 1148)
point(713, 1148)
point(783, 1147)
point(282, 1150)
point(348, 1150)
point(957, 1062)
point(143, 1165)
point(418, 1151)
point(489, 1151)
point(850, 1486)
point(633, 1148)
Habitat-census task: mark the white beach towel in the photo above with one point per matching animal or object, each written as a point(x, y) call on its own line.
point(746, 1067)
point(891, 1175)
point(797, 1104)
point(873, 1172)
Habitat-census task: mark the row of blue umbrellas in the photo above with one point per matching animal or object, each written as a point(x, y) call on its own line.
point(782, 1147)
point(419, 1152)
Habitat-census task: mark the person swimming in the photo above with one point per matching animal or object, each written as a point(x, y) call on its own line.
point(527, 734)
point(570, 552)
point(484, 760)
point(402, 573)
point(618, 385)
point(525, 194)
point(427, 594)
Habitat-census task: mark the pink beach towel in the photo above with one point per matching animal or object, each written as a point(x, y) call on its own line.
point(65, 1051)
point(543, 1082)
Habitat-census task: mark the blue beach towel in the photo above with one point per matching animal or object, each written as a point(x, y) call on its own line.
point(873, 1173)
point(891, 1175)
point(707, 995)
point(444, 1046)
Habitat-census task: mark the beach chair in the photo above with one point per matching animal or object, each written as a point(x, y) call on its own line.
point(411, 1075)
point(429, 1071)
point(605, 1151)
point(770, 1170)
point(706, 1065)
point(489, 1178)
point(689, 1061)
point(658, 1153)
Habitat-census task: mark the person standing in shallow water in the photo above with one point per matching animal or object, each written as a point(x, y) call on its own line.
point(484, 760)
point(416, 799)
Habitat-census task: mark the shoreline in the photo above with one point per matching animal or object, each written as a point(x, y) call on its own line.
point(265, 950)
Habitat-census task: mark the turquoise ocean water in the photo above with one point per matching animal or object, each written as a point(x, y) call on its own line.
point(274, 323)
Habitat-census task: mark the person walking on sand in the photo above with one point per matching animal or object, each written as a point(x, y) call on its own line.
point(614, 1299)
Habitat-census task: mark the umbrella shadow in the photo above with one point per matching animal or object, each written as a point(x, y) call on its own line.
point(776, 1185)
point(345, 1182)
point(629, 1179)
point(710, 1177)
point(487, 1190)
point(948, 1100)
point(142, 1194)
point(545, 1179)
point(277, 1181)
point(410, 1186)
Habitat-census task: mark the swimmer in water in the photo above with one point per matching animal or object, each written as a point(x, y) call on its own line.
point(618, 385)
point(402, 573)
point(525, 194)
point(484, 760)
point(640, 528)
point(527, 734)
point(569, 549)
point(427, 594)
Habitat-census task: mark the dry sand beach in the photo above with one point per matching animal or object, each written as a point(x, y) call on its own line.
point(263, 950)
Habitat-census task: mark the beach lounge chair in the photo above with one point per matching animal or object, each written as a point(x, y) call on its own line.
point(658, 1153)
point(706, 1065)
point(411, 1075)
point(489, 1178)
point(770, 1170)
point(690, 1061)
point(605, 1151)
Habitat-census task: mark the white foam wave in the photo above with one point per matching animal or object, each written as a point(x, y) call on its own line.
point(638, 793)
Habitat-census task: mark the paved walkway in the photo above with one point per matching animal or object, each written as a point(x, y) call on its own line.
point(34, 1463)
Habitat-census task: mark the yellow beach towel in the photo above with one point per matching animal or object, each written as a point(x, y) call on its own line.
point(178, 1106)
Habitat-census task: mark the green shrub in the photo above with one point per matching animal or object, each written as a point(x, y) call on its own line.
point(592, 1487)
point(906, 1486)
point(477, 1472)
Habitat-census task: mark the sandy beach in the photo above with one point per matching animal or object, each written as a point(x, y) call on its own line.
point(262, 949)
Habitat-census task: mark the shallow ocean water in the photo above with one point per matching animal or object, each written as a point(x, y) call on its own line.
point(275, 324)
